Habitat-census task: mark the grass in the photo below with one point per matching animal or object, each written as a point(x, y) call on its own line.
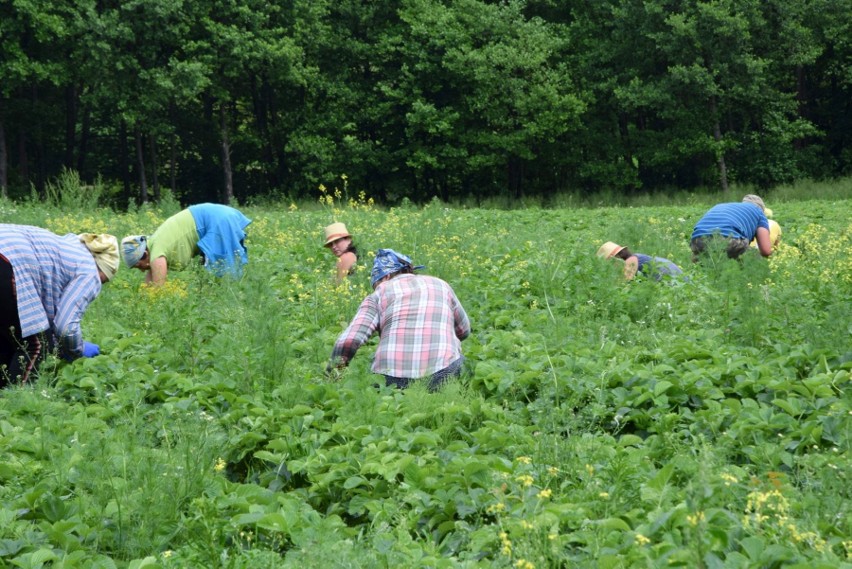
point(604, 424)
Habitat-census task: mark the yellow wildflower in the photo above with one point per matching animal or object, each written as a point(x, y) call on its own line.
point(525, 479)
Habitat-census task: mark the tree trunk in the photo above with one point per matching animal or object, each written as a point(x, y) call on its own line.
point(173, 162)
point(23, 157)
point(514, 169)
point(801, 101)
point(123, 162)
point(70, 125)
point(720, 154)
point(39, 149)
point(85, 131)
point(140, 165)
point(226, 156)
point(4, 163)
point(155, 179)
point(261, 106)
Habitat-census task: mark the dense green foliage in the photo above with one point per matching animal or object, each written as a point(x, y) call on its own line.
point(419, 98)
point(605, 424)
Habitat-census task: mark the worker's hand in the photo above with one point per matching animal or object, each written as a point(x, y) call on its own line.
point(333, 373)
point(90, 350)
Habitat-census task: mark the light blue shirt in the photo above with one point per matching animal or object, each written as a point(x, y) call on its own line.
point(56, 279)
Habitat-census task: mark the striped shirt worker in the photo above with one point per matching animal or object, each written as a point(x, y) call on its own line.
point(735, 225)
point(421, 325)
point(55, 279)
point(735, 220)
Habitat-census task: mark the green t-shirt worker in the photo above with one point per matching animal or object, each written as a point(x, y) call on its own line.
point(214, 231)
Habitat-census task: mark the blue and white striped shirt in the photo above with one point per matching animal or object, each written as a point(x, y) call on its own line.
point(739, 220)
point(55, 280)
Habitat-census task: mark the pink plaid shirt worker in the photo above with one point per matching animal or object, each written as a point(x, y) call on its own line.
point(421, 324)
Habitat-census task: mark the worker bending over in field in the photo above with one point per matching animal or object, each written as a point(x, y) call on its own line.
point(654, 267)
point(420, 322)
point(213, 231)
point(338, 239)
point(734, 225)
point(46, 283)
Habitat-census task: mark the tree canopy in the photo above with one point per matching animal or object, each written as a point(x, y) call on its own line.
point(223, 99)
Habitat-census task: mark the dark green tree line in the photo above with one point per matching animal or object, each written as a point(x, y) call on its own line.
point(223, 99)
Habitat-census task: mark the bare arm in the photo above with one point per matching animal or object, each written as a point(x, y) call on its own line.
point(158, 272)
point(631, 265)
point(764, 243)
point(344, 264)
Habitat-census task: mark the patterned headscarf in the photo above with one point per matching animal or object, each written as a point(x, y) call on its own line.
point(104, 249)
point(132, 249)
point(388, 262)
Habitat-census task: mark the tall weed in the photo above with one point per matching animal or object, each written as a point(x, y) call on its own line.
point(68, 193)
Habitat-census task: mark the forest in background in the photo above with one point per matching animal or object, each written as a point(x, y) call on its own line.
point(237, 99)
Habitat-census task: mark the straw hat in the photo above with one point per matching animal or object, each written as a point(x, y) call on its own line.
point(334, 232)
point(609, 250)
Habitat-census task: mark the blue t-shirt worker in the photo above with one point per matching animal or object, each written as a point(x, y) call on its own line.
point(737, 224)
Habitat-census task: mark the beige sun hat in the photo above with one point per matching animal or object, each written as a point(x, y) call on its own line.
point(104, 249)
point(609, 250)
point(334, 232)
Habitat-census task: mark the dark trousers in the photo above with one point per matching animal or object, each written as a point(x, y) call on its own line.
point(734, 247)
point(436, 380)
point(18, 356)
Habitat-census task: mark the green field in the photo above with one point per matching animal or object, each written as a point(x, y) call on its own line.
point(606, 424)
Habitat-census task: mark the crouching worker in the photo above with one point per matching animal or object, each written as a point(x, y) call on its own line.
point(47, 282)
point(420, 323)
point(654, 267)
point(213, 231)
point(733, 226)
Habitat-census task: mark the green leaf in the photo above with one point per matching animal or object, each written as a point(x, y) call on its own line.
point(354, 482)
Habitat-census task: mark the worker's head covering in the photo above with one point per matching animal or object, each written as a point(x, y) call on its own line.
point(389, 262)
point(774, 232)
point(334, 232)
point(104, 249)
point(132, 249)
point(609, 250)
point(756, 200)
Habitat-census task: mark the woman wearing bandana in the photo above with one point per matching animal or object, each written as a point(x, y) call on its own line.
point(47, 282)
point(214, 231)
point(420, 323)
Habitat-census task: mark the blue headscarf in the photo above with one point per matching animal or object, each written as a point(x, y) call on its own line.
point(388, 262)
point(132, 249)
